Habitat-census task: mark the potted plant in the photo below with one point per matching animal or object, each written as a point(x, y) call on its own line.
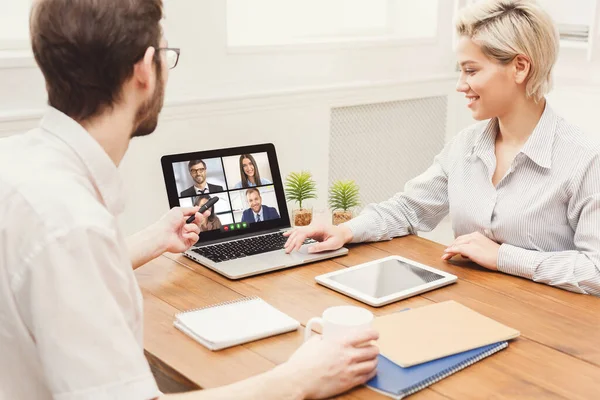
point(299, 187)
point(343, 196)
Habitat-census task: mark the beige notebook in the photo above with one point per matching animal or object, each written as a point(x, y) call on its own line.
point(427, 333)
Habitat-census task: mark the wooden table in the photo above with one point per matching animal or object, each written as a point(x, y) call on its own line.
point(556, 357)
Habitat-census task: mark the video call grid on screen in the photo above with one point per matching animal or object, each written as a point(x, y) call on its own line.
point(243, 182)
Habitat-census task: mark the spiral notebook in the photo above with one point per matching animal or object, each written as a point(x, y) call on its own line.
point(235, 322)
point(397, 382)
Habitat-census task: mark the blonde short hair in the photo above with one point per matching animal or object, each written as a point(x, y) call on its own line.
point(506, 28)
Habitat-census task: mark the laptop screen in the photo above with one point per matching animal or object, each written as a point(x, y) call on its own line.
point(246, 180)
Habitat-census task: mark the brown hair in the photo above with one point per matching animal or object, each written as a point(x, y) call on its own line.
point(243, 175)
point(252, 190)
point(87, 49)
point(195, 162)
point(212, 209)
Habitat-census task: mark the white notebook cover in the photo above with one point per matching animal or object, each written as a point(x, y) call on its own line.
point(228, 324)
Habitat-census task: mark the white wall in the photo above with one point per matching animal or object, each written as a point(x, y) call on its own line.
point(220, 98)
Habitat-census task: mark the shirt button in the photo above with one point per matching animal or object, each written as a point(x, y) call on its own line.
point(487, 232)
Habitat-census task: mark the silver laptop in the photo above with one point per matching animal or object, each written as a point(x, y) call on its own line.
point(244, 235)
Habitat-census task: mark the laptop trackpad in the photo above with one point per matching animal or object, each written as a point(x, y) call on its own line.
point(280, 259)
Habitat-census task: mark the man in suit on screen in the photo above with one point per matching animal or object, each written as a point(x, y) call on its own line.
point(197, 170)
point(257, 211)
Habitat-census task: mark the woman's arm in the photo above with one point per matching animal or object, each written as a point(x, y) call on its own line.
point(420, 207)
point(575, 270)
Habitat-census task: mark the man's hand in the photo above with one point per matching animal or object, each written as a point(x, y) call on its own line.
point(170, 233)
point(331, 238)
point(325, 367)
point(174, 234)
point(476, 247)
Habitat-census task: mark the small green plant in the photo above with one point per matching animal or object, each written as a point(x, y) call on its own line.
point(343, 195)
point(300, 186)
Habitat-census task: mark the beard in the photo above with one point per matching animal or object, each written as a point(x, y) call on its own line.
point(146, 119)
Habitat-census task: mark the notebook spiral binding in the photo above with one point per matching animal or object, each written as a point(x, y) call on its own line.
point(225, 303)
point(450, 371)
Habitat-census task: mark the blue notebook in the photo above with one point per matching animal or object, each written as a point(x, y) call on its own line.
point(394, 381)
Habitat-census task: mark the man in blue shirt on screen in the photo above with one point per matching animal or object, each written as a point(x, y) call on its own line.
point(257, 211)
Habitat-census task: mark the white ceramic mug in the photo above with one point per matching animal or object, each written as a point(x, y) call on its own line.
point(340, 320)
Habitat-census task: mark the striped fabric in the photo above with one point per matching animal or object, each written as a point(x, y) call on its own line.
point(545, 212)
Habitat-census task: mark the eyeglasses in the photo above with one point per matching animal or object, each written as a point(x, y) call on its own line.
point(172, 55)
point(196, 171)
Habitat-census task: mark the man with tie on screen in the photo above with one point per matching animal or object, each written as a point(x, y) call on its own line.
point(197, 170)
point(257, 211)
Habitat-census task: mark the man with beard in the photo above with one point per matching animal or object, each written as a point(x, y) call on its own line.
point(70, 307)
point(197, 170)
point(257, 212)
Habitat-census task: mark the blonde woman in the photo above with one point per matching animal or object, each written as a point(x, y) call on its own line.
point(523, 185)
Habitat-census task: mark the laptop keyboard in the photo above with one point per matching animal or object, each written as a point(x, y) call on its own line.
point(244, 247)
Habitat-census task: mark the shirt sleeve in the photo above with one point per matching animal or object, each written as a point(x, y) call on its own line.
point(422, 205)
point(576, 270)
point(71, 296)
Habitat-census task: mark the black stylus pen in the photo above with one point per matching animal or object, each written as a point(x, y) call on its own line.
point(205, 207)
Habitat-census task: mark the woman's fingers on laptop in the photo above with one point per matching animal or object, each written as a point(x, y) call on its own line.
point(292, 243)
point(329, 244)
point(296, 237)
point(331, 239)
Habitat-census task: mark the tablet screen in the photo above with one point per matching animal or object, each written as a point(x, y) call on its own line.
point(388, 277)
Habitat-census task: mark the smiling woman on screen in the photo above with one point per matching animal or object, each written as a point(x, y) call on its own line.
point(249, 175)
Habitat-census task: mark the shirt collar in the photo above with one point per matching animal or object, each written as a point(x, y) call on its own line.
point(486, 141)
point(102, 172)
point(258, 213)
point(538, 146)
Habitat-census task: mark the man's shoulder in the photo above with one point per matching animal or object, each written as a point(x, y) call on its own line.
point(44, 189)
point(188, 191)
point(35, 215)
point(59, 203)
point(270, 209)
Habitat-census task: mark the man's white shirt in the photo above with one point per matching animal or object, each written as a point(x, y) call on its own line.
point(70, 306)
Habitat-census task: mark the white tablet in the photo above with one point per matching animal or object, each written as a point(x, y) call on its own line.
point(386, 280)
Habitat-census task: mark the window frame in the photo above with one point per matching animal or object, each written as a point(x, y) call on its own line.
point(350, 39)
